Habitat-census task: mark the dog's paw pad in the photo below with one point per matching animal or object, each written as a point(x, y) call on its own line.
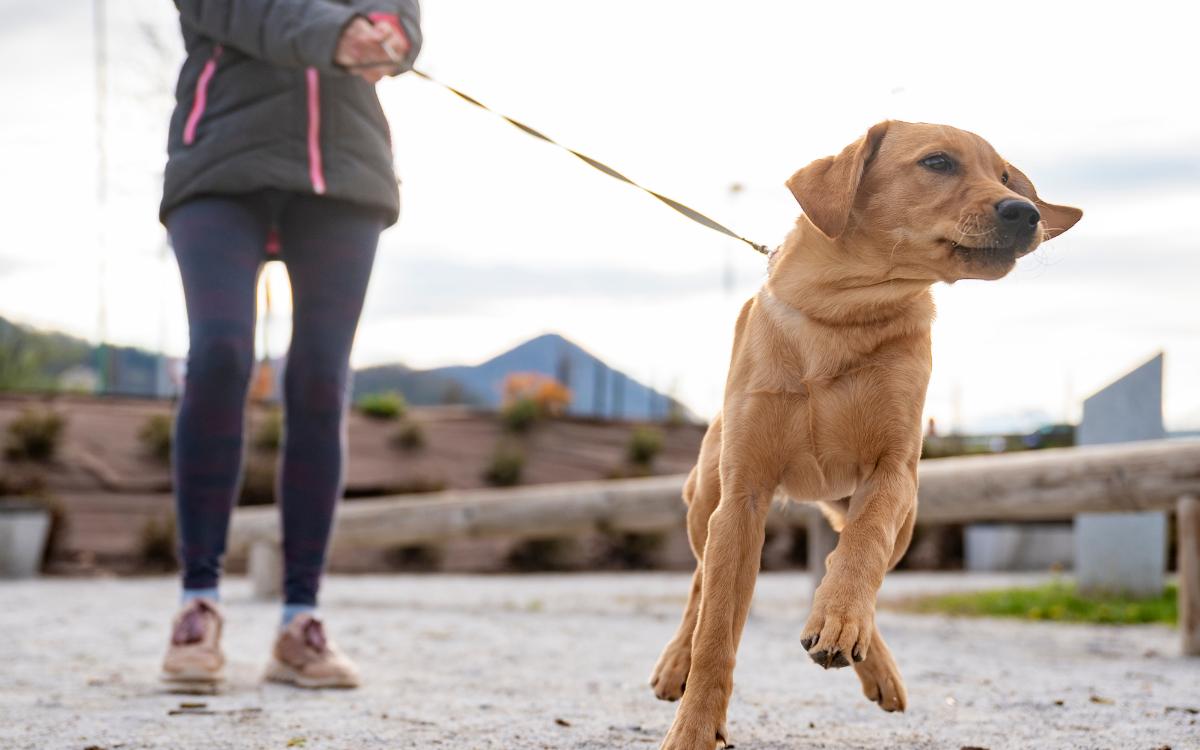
point(830, 659)
point(810, 641)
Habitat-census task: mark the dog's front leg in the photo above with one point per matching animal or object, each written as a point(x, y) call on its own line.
point(842, 623)
point(731, 560)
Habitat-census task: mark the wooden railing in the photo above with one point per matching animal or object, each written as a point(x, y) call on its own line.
point(1025, 486)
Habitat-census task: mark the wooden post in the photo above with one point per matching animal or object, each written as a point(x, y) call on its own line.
point(266, 569)
point(1188, 521)
point(822, 540)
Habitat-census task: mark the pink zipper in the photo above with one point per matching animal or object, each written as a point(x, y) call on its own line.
point(315, 171)
point(201, 98)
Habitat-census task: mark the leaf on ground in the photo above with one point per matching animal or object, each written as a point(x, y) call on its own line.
point(1104, 701)
point(562, 722)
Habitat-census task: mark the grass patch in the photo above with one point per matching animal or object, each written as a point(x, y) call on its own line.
point(1054, 601)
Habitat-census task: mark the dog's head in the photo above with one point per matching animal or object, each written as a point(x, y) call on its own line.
point(933, 201)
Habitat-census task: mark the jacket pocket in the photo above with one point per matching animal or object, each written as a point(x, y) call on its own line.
point(200, 99)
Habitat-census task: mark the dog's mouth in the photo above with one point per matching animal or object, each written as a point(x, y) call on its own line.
point(977, 239)
point(961, 249)
point(985, 261)
point(989, 253)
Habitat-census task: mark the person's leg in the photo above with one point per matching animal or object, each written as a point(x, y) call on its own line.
point(219, 246)
point(329, 247)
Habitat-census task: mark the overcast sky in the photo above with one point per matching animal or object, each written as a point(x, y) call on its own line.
point(503, 237)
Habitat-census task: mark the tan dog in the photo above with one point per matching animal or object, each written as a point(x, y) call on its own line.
point(826, 388)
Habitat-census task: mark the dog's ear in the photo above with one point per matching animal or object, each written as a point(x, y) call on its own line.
point(1058, 218)
point(826, 188)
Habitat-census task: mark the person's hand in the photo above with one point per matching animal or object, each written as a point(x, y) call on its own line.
point(363, 43)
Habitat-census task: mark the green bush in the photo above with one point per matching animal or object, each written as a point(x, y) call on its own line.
point(156, 435)
point(269, 435)
point(416, 558)
point(158, 543)
point(410, 436)
point(506, 465)
point(644, 445)
point(258, 484)
point(554, 553)
point(35, 434)
point(629, 551)
point(390, 405)
point(520, 414)
point(1054, 601)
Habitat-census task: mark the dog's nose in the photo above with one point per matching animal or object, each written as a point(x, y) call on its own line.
point(1017, 214)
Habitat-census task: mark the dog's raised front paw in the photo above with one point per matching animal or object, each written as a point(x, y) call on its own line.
point(670, 674)
point(836, 638)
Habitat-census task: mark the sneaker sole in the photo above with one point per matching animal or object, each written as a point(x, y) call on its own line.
point(277, 671)
point(193, 677)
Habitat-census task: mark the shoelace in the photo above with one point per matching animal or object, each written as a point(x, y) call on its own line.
point(191, 628)
point(314, 635)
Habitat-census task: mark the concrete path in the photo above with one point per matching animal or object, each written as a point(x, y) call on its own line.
point(560, 661)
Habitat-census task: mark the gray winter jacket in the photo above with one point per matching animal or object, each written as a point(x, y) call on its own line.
point(261, 104)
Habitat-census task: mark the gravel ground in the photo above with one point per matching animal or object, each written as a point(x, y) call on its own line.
point(560, 661)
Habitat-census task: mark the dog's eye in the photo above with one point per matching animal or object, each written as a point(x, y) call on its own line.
point(1004, 179)
point(938, 163)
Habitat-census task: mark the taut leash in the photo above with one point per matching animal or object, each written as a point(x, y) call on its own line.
point(690, 213)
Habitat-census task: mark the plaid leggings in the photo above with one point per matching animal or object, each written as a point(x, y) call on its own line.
point(221, 244)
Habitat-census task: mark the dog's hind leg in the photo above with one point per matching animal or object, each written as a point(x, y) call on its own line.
point(702, 493)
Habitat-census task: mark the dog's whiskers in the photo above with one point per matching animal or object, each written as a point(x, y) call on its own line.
point(971, 226)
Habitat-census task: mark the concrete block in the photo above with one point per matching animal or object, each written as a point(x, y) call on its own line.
point(23, 533)
point(266, 569)
point(997, 547)
point(1129, 409)
point(1121, 553)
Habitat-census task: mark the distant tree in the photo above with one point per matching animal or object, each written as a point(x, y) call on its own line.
point(33, 360)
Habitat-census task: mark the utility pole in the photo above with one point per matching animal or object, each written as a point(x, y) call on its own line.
point(105, 369)
point(599, 385)
point(618, 395)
